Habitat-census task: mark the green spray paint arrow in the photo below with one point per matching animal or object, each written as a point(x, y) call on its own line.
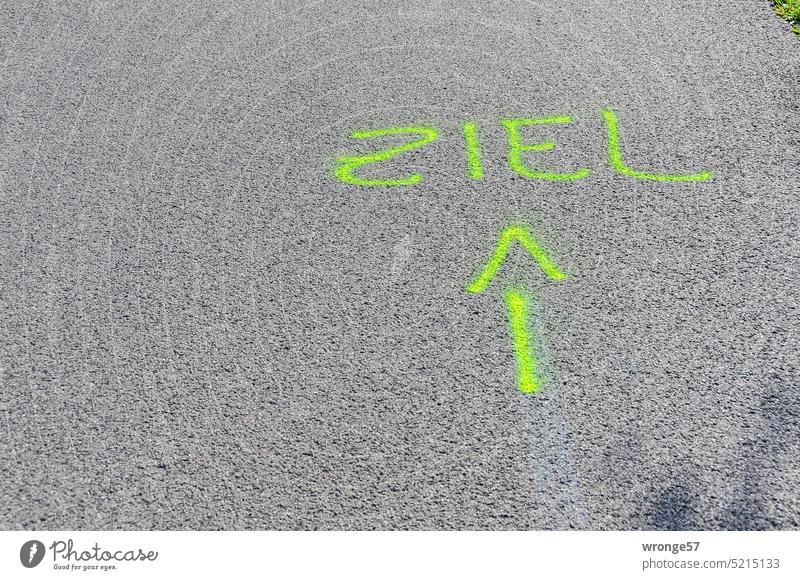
point(516, 301)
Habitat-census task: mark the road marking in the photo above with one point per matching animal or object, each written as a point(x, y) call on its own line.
point(615, 156)
point(509, 235)
point(526, 363)
point(516, 148)
point(473, 151)
point(346, 165)
point(517, 303)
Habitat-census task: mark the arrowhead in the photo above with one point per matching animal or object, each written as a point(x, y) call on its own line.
point(507, 238)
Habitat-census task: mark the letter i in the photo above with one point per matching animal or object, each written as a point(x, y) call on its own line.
point(473, 150)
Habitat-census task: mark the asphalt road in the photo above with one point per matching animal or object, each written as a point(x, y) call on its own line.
point(203, 328)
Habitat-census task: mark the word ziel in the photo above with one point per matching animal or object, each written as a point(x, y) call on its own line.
point(346, 166)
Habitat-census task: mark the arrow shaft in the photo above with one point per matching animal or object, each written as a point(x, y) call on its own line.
point(517, 305)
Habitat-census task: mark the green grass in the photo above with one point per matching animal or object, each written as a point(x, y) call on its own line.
point(789, 10)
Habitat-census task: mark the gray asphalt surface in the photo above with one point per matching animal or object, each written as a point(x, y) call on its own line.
point(202, 328)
